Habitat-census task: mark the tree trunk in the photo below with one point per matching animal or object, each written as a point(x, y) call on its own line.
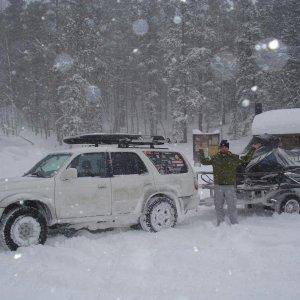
point(200, 120)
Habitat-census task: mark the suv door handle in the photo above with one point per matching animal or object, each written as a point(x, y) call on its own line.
point(102, 186)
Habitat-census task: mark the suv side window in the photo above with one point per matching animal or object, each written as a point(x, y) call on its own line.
point(90, 164)
point(167, 162)
point(126, 163)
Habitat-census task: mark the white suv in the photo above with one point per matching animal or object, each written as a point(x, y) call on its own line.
point(96, 188)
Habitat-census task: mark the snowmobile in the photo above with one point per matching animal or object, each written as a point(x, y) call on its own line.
point(267, 160)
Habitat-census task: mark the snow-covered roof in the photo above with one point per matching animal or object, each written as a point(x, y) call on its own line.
point(279, 121)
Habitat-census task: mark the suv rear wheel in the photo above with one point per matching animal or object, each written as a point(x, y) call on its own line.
point(22, 227)
point(160, 213)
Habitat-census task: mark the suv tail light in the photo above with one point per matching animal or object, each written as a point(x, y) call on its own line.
point(196, 185)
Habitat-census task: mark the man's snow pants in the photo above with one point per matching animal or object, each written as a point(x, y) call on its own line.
point(222, 194)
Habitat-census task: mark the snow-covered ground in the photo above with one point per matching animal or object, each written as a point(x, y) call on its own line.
point(257, 259)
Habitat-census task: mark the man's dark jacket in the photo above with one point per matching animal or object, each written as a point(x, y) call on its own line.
point(224, 166)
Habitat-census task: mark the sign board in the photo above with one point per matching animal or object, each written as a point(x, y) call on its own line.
point(208, 142)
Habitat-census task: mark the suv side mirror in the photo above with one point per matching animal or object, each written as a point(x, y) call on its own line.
point(68, 174)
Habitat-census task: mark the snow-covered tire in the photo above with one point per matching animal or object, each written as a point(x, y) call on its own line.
point(21, 227)
point(159, 213)
point(290, 206)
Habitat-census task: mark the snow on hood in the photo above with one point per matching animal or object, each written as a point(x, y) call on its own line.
point(279, 121)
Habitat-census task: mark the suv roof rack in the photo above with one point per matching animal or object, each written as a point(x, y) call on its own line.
point(123, 140)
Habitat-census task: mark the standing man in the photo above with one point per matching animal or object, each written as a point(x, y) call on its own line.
point(224, 169)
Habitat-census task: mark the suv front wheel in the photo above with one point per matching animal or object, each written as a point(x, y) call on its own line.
point(160, 213)
point(21, 227)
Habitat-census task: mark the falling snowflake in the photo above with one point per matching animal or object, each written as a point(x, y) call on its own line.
point(274, 44)
point(93, 94)
point(254, 88)
point(177, 20)
point(245, 103)
point(140, 27)
point(63, 63)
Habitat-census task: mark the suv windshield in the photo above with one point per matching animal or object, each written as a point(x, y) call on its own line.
point(49, 165)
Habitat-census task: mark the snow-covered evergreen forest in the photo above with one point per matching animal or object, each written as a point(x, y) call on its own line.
point(141, 66)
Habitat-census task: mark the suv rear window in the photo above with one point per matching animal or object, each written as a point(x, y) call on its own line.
point(126, 163)
point(167, 162)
